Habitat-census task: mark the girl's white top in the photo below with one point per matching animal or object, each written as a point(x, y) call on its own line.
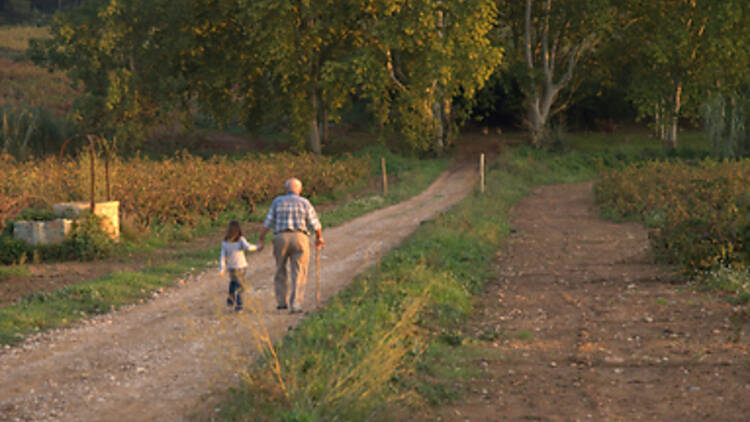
point(233, 253)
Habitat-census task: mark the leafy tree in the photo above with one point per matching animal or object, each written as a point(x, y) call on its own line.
point(550, 40)
point(269, 55)
point(295, 60)
point(408, 59)
point(416, 57)
point(691, 48)
point(123, 54)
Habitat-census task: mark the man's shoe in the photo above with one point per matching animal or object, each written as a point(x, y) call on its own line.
point(296, 311)
point(281, 307)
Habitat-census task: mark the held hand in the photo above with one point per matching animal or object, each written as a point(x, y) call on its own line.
point(319, 243)
point(222, 272)
point(260, 245)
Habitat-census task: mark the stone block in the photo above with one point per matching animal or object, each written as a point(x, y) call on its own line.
point(109, 211)
point(42, 232)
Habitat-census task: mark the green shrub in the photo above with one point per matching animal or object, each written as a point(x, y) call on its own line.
point(87, 240)
point(702, 210)
point(13, 250)
point(36, 214)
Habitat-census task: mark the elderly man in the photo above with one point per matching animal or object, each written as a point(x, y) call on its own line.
point(292, 218)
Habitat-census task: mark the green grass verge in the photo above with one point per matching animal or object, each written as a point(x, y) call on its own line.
point(63, 307)
point(10, 270)
point(640, 145)
point(40, 311)
point(380, 343)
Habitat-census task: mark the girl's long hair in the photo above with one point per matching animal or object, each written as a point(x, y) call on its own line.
point(233, 231)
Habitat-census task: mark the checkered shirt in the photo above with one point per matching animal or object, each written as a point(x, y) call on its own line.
point(291, 212)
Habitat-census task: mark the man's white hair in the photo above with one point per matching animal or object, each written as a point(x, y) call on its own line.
point(293, 185)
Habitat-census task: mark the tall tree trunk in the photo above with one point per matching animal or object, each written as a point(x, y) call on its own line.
point(670, 143)
point(536, 122)
point(671, 138)
point(313, 136)
point(541, 95)
point(538, 111)
point(437, 107)
point(324, 124)
point(437, 118)
point(447, 122)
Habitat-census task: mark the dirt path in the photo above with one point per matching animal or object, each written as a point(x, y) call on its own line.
point(594, 331)
point(161, 361)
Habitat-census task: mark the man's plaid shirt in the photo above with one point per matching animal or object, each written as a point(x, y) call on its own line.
point(291, 212)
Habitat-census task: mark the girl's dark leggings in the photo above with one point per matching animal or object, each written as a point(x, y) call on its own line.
point(236, 287)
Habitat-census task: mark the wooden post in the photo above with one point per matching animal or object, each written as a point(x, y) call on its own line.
point(93, 174)
point(317, 277)
point(481, 173)
point(385, 176)
point(105, 148)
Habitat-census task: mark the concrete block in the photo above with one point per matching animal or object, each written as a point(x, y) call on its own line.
point(42, 232)
point(109, 211)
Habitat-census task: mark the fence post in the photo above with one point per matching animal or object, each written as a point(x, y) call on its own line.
point(93, 173)
point(385, 177)
point(481, 173)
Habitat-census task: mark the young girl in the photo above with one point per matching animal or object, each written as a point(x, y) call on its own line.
point(233, 259)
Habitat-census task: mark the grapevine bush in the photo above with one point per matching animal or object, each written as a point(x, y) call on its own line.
point(702, 210)
point(180, 190)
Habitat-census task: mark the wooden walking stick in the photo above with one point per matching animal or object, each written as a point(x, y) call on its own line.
point(317, 277)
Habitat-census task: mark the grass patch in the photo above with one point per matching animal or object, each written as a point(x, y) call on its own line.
point(396, 341)
point(641, 145)
point(524, 335)
point(726, 278)
point(13, 270)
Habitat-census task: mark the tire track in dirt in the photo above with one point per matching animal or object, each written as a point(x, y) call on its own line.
point(593, 330)
point(166, 360)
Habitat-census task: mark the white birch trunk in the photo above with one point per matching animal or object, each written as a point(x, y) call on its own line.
point(671, 138)
point(541, 96)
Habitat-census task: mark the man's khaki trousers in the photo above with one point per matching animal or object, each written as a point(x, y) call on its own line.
point(295, 248)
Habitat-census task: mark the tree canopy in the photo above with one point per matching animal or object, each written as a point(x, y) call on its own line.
point(415, 65)
point(298, 61)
